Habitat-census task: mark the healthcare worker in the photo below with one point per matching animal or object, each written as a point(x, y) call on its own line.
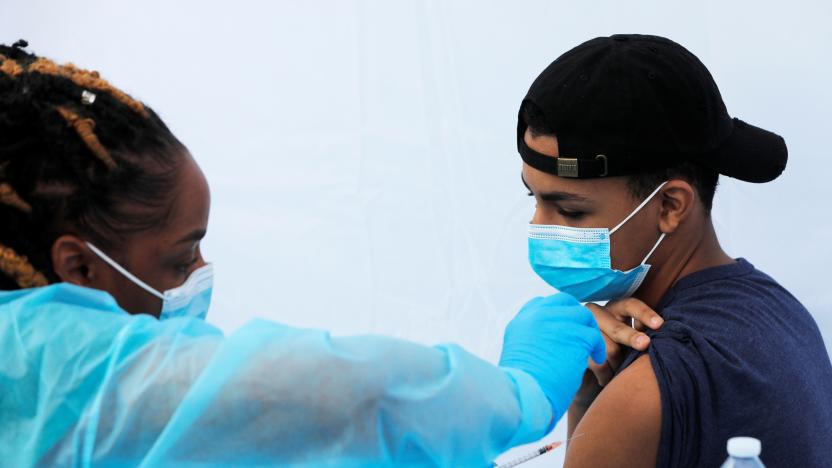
point(106, 358)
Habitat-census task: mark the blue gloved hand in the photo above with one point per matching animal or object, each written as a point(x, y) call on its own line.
point(551, 339)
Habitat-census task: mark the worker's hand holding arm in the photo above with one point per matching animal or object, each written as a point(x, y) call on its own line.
point(104, 387)
point(551, 339)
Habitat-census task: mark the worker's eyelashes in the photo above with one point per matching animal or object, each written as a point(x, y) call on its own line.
point(184, 268)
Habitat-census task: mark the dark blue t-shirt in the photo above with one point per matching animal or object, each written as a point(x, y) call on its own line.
point(740, 356)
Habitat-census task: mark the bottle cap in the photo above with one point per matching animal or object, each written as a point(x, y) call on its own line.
point(744, 447)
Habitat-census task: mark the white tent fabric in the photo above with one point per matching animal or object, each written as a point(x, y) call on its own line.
point(362, 154)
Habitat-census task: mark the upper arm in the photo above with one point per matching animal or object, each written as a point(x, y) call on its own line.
point(623, 425)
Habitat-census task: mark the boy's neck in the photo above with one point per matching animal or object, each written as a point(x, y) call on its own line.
point(703, 252)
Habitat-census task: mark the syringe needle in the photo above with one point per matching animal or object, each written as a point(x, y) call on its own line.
point(532, 455)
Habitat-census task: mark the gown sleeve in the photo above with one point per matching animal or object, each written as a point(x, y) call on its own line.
point(86, 384)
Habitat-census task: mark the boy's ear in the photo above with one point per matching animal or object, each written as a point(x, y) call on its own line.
point(678, 200)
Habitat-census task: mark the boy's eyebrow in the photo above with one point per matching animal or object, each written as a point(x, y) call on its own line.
point(562, 196)
point(556, 195)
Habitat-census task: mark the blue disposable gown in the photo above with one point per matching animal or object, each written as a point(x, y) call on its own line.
point(84, 383)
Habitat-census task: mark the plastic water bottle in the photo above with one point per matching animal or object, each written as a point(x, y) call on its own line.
point(743, 452)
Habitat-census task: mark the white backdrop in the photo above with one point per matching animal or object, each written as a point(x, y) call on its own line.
point(362, 154)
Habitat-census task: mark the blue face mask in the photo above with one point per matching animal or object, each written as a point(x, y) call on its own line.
point(191, 299)
point(577, 260)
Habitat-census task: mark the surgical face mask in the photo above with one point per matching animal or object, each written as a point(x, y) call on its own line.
point(191, 299)
point(577, 260)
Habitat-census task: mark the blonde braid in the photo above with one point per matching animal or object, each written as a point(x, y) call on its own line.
point(10, 67)
point(84, 128)
point(8, 196)
point(86, 79)
point(18, 268)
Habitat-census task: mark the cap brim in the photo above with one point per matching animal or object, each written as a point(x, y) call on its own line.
point(750, 154)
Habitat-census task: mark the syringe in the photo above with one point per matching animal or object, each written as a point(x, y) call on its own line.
point(527, 457)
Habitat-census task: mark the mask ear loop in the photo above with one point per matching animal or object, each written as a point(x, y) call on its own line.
point(124, 272)
point(638, 208)
point(656, 246)
point(630, 216)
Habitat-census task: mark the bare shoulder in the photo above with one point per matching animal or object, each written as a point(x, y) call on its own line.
point(622, 428)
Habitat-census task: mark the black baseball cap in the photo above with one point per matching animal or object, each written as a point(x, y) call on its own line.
point(629, 104)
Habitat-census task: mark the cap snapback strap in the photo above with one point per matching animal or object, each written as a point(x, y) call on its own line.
point(562, 166)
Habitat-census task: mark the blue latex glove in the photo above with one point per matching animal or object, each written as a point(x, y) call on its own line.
point(551, 339)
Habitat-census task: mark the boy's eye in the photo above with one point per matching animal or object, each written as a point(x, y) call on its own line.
point(571, 214)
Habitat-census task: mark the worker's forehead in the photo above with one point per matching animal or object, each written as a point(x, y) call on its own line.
point(190, 203)
point(192, 195)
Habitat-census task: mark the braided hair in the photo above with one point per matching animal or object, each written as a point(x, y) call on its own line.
point(77, 156)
